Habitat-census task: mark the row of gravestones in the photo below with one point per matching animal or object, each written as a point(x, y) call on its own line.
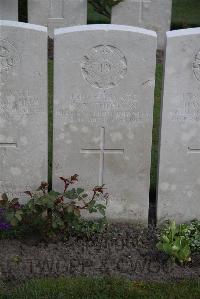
point(150, 14)
point(104, 78)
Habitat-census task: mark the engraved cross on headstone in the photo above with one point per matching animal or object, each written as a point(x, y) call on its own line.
point(102, 151)
point(141, 3)
point(56, 9)
point(194, 149)
point(5, 146)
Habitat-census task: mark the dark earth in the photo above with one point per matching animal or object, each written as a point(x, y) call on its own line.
point(122, 250)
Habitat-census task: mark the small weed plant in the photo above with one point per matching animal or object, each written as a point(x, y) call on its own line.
point(180, 241)
point(53, 214)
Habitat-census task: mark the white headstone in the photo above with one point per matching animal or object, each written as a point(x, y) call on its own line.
point(179, 175)
point(23, 106)
point(9, 10)
point(150, 14)
point(103, 113)
point(57, 13)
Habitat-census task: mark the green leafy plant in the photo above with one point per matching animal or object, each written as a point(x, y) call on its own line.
point(54, 214)
point(104, 6)
point(10, 212)
point(174, 243)
point(192, 234)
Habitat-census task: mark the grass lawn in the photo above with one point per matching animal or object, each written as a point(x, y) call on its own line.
point(102, 288)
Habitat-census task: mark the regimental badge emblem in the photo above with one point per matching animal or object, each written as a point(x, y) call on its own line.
point(196, 66)
point(104, 66)
point(8, 56)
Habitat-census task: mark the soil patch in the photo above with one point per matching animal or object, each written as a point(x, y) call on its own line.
point(123, 250)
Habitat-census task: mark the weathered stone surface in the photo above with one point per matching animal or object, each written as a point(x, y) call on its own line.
point(23, 106)
point(9, 10)
point(179, 175)
point(57, 13)
point(103, 111)
point(150, 14)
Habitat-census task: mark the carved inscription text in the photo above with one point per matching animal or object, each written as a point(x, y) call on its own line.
point(8, 56)
point(103, 108)
point(189, 108)
point(196, 66)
